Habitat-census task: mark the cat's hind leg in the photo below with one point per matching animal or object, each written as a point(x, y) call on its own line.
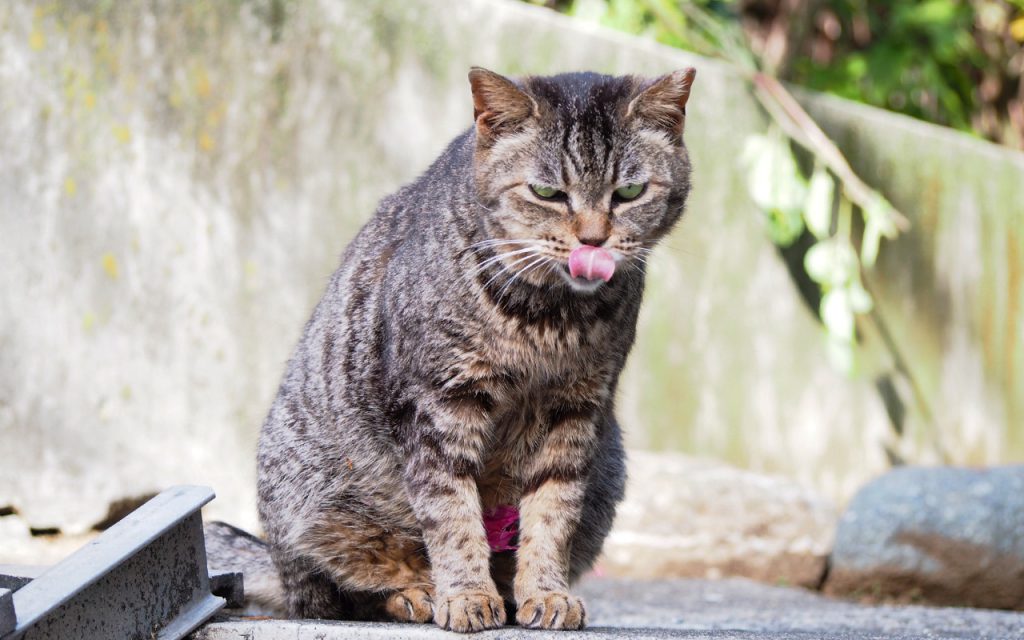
point(410, 605)
point(315, 593)
point(364, 558)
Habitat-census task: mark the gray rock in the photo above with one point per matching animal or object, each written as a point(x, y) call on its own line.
point(939, 535)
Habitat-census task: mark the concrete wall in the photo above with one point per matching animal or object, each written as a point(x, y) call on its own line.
point(952, 289)
point(177, 181)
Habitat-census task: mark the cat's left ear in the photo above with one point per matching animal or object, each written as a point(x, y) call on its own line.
point(499, 106)
point(662, 103)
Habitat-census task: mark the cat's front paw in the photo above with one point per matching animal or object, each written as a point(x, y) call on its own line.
point(469, 611)
point(410, 605)
point(552, 610)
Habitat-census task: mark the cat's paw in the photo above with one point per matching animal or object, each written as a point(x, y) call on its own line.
point(552, 610)
point(410, 605)
point(469, 611)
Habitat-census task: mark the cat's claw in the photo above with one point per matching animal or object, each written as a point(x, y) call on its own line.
point(552, 610)
point(469, 612)
point(410, 605)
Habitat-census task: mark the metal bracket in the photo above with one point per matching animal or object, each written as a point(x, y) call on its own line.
point(7, 619)
point(143, 578)
point(226, 584)
point(16, 576)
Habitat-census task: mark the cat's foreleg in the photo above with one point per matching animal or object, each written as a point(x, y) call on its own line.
point(445, 450)
point(550, 511)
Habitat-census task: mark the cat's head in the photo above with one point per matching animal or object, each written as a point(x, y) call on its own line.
point(579, 160)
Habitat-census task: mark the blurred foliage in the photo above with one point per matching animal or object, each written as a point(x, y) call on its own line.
point(958, 63)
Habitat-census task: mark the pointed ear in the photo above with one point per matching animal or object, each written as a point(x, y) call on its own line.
point(662, 103)
point(499, 106)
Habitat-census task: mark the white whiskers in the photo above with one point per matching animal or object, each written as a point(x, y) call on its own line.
point(495, 258)
point(541, 260)
point(508, 268)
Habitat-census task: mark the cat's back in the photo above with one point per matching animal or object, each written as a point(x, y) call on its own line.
point(418, 214)
point(397, 265)
point(406, 260)
point(334, 399)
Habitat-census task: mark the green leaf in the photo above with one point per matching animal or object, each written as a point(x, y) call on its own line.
point(860, 299)
point(776, 186)
point(774, 180)
point(784, 226)
point(879, 222)
point(841, 355)
point(831, 263)
point(818, 208)
point(870, 243)
point(837, 314)
point(884, 214)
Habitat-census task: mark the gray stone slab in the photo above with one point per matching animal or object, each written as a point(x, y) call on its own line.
point(728, 609)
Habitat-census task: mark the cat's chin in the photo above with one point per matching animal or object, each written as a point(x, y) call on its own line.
point(580, 285)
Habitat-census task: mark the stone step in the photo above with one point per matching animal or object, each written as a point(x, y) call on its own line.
point(727, 609)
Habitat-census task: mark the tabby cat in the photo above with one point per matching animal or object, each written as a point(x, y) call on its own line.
point(443, 446)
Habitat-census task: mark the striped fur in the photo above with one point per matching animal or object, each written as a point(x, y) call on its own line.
point(452, 366)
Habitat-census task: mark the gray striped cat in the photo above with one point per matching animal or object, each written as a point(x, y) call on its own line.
point(443, 446)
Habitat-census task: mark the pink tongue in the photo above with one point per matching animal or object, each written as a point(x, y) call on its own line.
point(591, 263)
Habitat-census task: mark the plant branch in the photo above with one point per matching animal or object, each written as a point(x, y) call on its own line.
point(798, 125)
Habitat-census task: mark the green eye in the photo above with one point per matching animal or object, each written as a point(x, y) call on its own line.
point(548, 193)
point(630, 191)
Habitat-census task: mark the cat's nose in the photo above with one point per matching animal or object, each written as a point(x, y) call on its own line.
point(593, 230)
point(594, 241)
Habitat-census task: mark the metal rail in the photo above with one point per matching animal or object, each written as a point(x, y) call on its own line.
point(143, 578)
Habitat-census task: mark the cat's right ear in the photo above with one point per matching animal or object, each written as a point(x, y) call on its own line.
point(662, 101)
point(499, 106)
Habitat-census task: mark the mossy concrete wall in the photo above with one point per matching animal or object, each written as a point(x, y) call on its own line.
point(178, 179)
point(951, 291)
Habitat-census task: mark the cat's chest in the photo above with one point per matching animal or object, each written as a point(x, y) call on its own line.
point(538, 355)
point(517, 434)
point(536, 378)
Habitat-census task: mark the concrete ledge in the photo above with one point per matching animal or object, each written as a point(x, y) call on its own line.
point(728, 609)
point(285, 630)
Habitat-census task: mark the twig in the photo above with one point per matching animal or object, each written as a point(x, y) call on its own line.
point(798, 125)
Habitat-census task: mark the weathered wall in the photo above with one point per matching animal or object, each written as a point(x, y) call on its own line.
point(177, 181)
point(952, 289)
